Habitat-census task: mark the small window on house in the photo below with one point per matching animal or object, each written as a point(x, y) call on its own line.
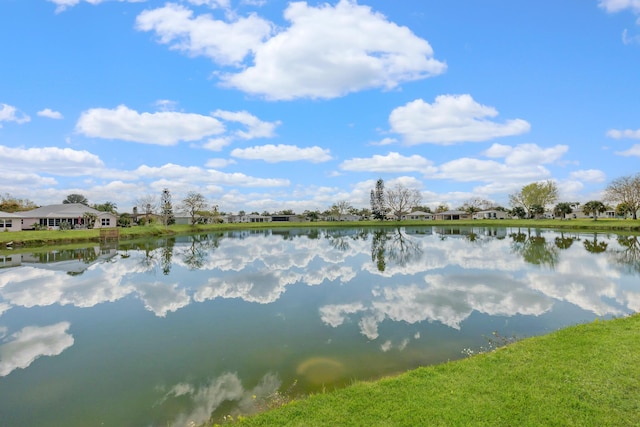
point(8, 223)
point(106, 222)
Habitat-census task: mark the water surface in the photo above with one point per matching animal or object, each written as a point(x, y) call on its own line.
point(181, 330)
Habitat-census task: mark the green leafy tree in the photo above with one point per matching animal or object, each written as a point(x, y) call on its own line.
point(519, 212)
point(90, 219)
point(105, 207)
point(148, 205)
point(8, 203)
point(76, 198)
point(124, 220)
point(341, 208)
point(536, 211)
point(535, 194)
point(594, 207)
point(192, 204)
point(476, 205)
point(312, 216)
point(470, 209)
point(626, 190)
point(562, 209)
point(442, 208)
point(623, 209)
point(378, 208)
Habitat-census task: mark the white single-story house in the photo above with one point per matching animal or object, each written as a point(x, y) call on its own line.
point(578, 213)
point(287, 218)
point(418, 215)
point(255, 218)
point(452, 215)
point(490, 214)
point(344, 217)
point(73, 213)
point(10, 222)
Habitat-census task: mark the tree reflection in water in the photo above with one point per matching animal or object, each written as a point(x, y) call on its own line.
point(563, 242)
point(338, 240)
point(534, 248)
point(195, 254)
point(629, 254)
point(594, 246)
point(167, 255)
point(393, 245)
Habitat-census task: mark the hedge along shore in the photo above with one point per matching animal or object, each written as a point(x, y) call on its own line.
point(28, 238)
point(584, 375)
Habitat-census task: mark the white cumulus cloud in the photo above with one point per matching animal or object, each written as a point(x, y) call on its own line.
point(626, 133)
point(449, 120)
point(9, 113)
point(526, 154)
point(327, 51)
point(225, 43)
point(256, 128)
point(283, 153)
point(183, 175)
point(62, 5)
point(47, 112)
point(613, 6)
point(590, 175)
point(392, 162)
point(633, 151)
point(161, 128)
point(54, 160)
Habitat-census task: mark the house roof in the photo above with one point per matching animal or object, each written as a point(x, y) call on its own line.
point(419, 213)
point(67, 210)
point(453, 213)
point(9, 215)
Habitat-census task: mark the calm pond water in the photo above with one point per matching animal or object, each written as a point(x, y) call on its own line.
point(174, 332)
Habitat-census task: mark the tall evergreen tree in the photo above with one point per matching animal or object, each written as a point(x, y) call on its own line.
point(166, 208)
point(377, 201)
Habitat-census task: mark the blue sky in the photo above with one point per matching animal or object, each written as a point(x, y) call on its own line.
point(271, 105)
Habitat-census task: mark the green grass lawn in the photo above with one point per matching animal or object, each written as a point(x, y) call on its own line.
point(586, 375)
point(49, 237)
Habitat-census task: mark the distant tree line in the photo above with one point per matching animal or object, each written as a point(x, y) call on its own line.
point(533, 200)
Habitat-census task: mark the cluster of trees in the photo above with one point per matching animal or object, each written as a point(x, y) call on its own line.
point(397, 201)
point(531, 201)
point(8, 203)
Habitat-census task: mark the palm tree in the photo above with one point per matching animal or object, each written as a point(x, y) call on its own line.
point(594, 207)
point(562, 210)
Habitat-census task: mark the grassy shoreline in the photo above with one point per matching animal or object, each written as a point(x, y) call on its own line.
point(584, 375)
point(56, 237)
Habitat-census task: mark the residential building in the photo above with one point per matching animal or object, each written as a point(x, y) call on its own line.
point(490, 214)
point(452, 215)
point(418, 215)
point(10, 222)
point(52, 216)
